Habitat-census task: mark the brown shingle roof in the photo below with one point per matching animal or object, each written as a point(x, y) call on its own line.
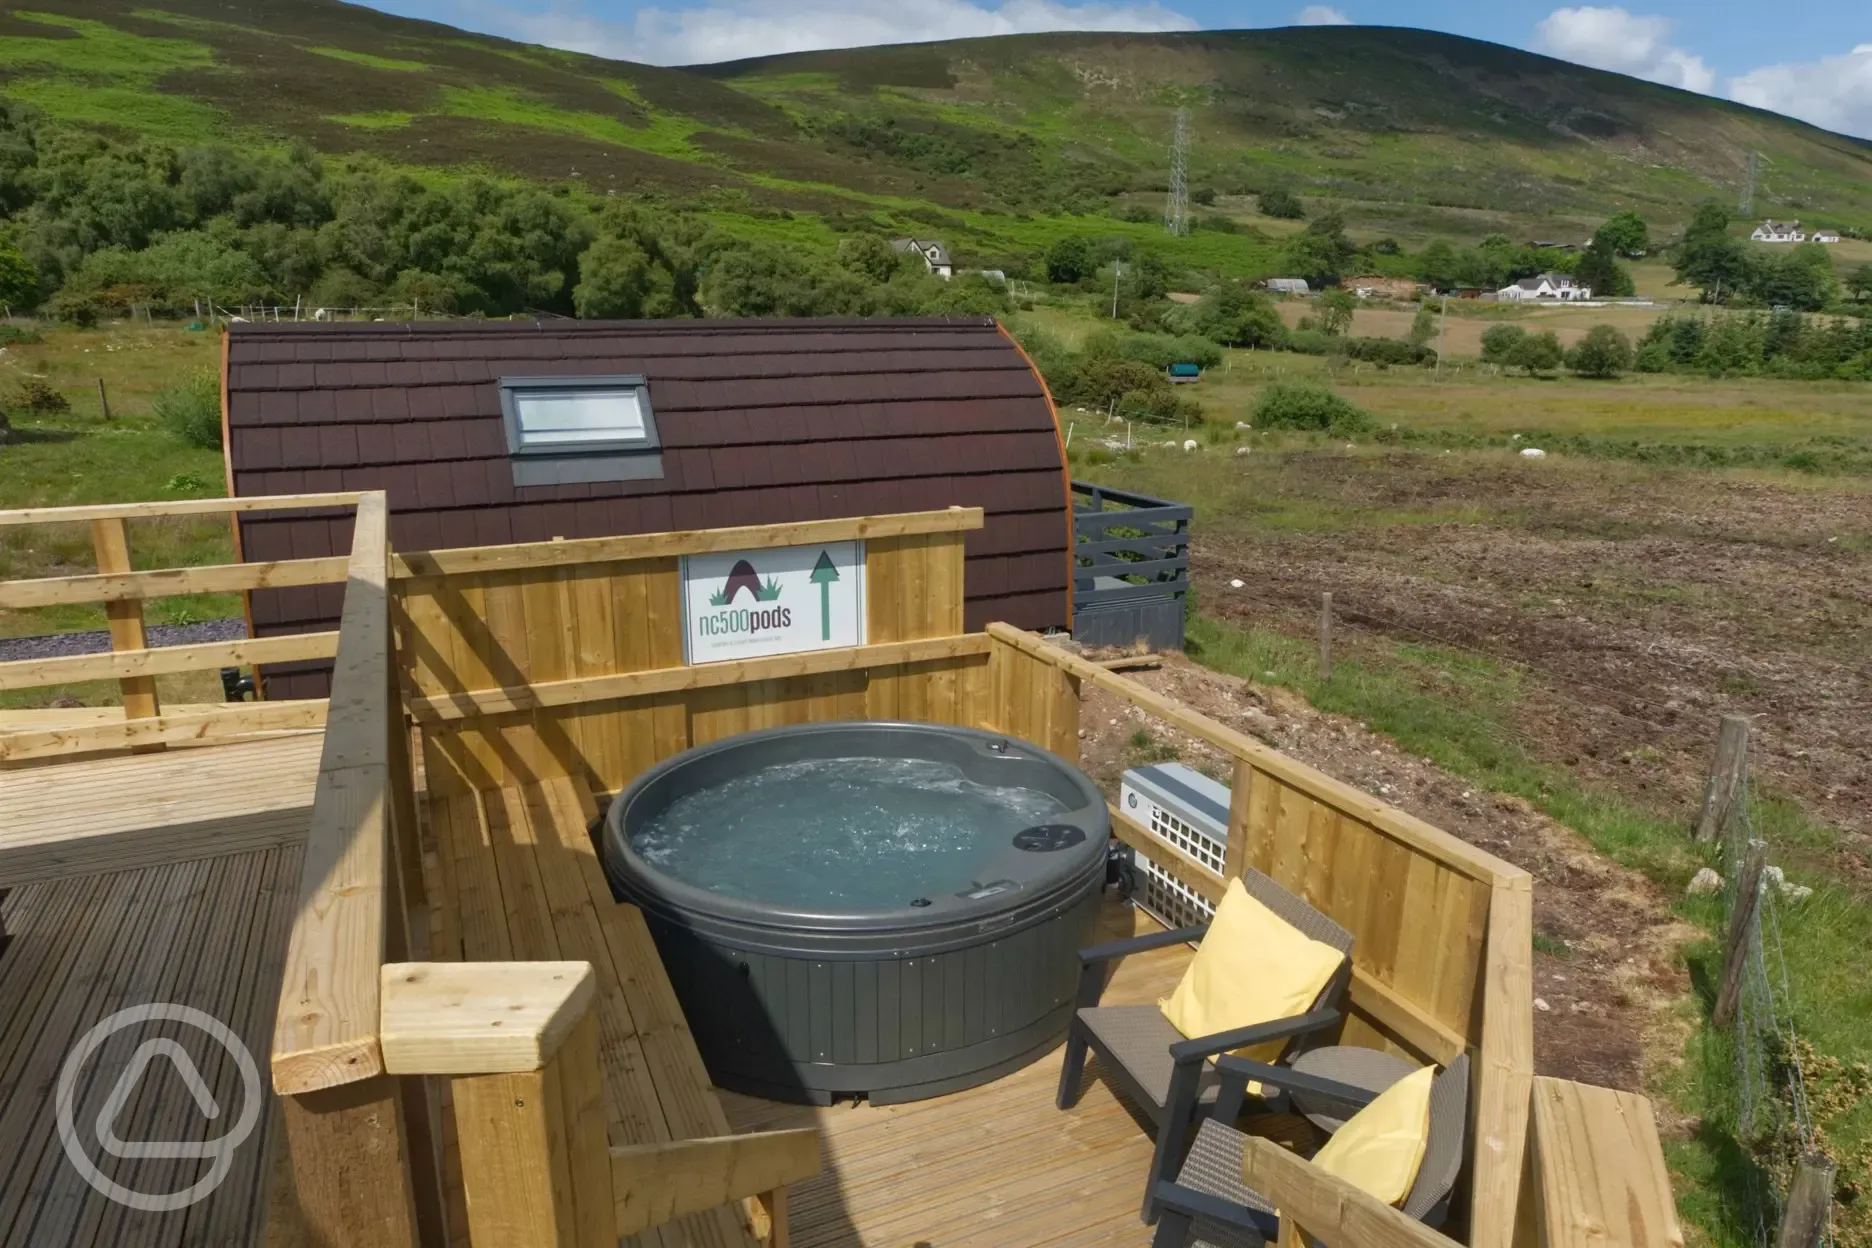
point(765, 421)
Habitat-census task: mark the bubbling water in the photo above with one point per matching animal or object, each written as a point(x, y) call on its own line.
point(840, 834)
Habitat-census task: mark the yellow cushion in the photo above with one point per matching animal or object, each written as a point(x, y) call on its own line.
point(1381, 1147)
point(1252, 967)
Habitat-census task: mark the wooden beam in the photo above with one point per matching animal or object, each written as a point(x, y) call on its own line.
point(1371, 997)
point(350, 1166)
point(1740, 943)
point(535, 1173)
point(657, 1183)
point(207, 656)
point(1408, 829)
point(218, 578)
point(1326, 1207)
point(691, 542)
point(480, 1018)
point(1597, 1170)
point(176, 507)
point(1505, 1060)
point(236, 719)
point(126, 622)
point(325, 1033)
point(457, 706)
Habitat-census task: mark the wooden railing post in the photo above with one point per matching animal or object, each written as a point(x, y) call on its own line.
point(112, 545)
point(519, 1043)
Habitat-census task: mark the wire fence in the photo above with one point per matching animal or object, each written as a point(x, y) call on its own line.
point(1771, 1096)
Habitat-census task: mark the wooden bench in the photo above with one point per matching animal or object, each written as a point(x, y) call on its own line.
point(521, 881)
point(1595, 1171)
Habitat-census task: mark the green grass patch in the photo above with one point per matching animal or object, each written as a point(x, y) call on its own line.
point(387, 119)
point(374, 62)
point(1456, 709)
point(664, 135)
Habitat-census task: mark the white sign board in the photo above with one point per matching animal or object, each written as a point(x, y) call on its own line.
point(748, 603)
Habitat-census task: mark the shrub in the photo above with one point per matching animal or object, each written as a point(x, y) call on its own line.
point(1499, 342)
point(11, 334)
point(1163, 350)
point(35, 396)
point(1538, 353)
point(191, 409)
point(1603, 352)
point(1282, 203)
point(1303, 405)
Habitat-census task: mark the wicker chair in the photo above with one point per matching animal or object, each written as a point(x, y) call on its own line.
point(1209, 1206)
point(1166, 1075)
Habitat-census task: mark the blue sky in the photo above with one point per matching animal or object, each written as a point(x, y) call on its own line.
point(1816, 64)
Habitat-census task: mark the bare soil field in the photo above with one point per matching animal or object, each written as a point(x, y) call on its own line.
point(1639, 604)
point(1608, 965)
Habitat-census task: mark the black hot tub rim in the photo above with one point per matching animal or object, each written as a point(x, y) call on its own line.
point(1052, 880)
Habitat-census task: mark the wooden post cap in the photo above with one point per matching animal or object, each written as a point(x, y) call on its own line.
point(479, 1018)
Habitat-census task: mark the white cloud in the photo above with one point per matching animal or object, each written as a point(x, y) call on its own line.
point(727, 30)
point(1321, 15)
point(1611, 38)
point(1834, 91)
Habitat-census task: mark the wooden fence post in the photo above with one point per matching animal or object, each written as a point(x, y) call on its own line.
point(1325, 636)
point(112, 546)
point(103, 401)
point(1725, 778)
point(1809, 1201)
point(1741, 926)
point(519, 1041)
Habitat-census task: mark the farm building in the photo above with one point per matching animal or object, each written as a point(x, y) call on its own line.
point(505, 432)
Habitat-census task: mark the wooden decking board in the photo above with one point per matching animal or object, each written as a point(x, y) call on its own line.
point(112, 814)
point(525, 883)
point(992, 1167)
point(205, 933)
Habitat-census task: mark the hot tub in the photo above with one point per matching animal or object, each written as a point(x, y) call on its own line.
point(881, 910)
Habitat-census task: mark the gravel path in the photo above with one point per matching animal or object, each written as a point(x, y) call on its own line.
point(54, 645)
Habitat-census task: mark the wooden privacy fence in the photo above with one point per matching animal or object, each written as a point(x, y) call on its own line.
point(1442, 932)
point(131, 661)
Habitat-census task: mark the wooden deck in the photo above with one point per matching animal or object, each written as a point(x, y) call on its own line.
point(62, 820)
point(994, 1167)
point(209, 934)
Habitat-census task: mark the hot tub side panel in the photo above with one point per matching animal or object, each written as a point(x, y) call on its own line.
point(893, 1028)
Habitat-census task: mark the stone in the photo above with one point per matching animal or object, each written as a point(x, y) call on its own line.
point(1704, 883)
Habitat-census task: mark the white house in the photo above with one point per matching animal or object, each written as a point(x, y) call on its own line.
point(1547, 288)
point(1826, 236)
point(934, 254)
point(1779, 232)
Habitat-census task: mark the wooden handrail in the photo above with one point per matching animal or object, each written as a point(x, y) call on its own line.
point(480, 1018)
point(164, 660)
point(177, 507)
point(436, 563)
point(1458, 854)
point(217, 578)
point(1504, 1065)
point(654, 1184)
point(1326, 1207)
point(233, 720)
point(458, 706)
point(326, 1029)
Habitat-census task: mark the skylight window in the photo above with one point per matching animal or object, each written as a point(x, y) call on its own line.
point(563, 430)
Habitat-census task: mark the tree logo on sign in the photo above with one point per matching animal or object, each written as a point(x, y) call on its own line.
point(743, 576)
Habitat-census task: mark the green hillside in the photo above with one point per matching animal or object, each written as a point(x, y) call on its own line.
point(1418, 134)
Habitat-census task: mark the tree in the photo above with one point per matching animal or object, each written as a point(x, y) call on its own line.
point(1499, 342)
point(1859, 281)
point(1281, 203)
point(1603, 352)
point(1538, 353)
point(1148, 277)
point(1319, 253)
point(869, 254)
point(1237, 315)
point(1627, 233)
point(1436, 264)
point(19, 281)
point(1335, 311)
point(1708, 258)
point(614, 278)
point(1422, 326)
point(1599, 269)
point(1069, 260)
